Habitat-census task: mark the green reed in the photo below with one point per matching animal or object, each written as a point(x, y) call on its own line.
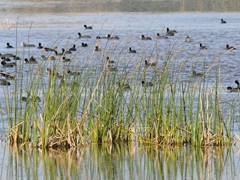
point(94, 106)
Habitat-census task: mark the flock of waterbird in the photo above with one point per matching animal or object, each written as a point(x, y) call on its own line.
point(6, 58)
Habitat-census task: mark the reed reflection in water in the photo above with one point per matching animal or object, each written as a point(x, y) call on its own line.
point(120, 162)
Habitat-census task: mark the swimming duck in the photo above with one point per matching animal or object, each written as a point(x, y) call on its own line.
point(150, 64)
point(8, 75)
point(46, 48)
point(34, 98)
point(73, 48)
point(232, 89)
point(4, 82)
point(11, 64)
point(188, 39)
point(238, 85)
point(202, 47)
point(83, 36)
point(158, 36)
point(109, 61)
point(147, 84)
point(84, 44)
point(223, 22)
point(16, 57)
point(114, 37)
point(230, 47)
point(131, 50)
point(142, 37)
point(64, 59)
point(9, 46)
point(73, 73)
point(48, 58)
point(97, 48)
point(24, 44)
point(170, 31)
point(31, 61)
point(7, 55)
point(87, 27)
point(5, 58)
point(65, 51)
point(40, 46)
point(194, 73)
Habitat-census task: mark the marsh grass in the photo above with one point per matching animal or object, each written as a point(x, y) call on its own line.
point(88, 107)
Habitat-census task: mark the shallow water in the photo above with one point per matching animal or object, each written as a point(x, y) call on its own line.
point(120, 162)
point(131, 162)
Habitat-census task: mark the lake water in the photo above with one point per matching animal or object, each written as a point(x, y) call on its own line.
point(56, 23)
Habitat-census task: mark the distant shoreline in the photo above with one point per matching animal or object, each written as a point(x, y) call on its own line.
point(73, 6)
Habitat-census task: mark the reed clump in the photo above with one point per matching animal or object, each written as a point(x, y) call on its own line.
point(101, 105)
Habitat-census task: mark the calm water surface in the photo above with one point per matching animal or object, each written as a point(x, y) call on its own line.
point(61, 30)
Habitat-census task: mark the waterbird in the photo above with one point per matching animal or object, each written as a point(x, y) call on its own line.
point(87, 27)
point(188, 39)
point(109, 61)
point(131, 50)
point(150, 63)
point(64, 59)
point(11, 64)
point(46, 48)
point(233, 89)
point(223, 22)
point(122, 86)
point(97, 48)
point(202, 47)
point(114, 37)
point(158, 36)
point(171, 31)
point(83, 36)
point(142, 37)
point(4, 82)
point(73, 48)
point(24, 44)
point(230, 47)
point(9, 46)
point(238, 85)
point(84, 44)
point(8, 75)
point(73, 73)
point(66, 51)
point(147, 84)
point(7, 55)
point(31, 61)
point(5, 58)
point(48, 57)
point(33, 98)
point(194, 73)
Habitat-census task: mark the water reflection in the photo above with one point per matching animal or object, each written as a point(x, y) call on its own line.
point(74, 6)
point(120, 162)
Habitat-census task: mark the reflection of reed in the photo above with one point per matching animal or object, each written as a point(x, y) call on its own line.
point(119, 161)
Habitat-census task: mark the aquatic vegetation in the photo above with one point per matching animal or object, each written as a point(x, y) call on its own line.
point(65, 108)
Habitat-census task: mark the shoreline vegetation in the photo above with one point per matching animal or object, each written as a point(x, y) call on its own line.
point(75, 6)
point(116, 105)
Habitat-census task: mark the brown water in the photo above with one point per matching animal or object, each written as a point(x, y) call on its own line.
point(58, 22)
